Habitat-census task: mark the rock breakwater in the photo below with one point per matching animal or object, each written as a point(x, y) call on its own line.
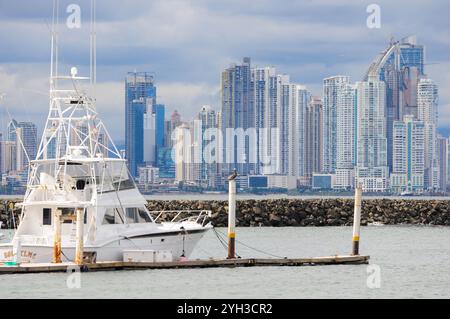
point(310, 212)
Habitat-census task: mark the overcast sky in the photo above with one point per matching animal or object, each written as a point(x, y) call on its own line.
point(186, 44)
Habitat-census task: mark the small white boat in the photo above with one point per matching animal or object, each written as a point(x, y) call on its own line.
point(1, 235)
point(375, 224)
point(74, 180)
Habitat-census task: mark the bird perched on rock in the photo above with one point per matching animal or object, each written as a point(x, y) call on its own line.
point(233, 176)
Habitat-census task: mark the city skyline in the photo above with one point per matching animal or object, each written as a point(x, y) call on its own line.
point(187, 78)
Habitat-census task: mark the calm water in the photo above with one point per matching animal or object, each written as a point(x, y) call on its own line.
point(414, 263)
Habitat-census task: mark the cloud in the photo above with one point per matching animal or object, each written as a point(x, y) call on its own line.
point(440, 73)
point(187, 43)
point(188, 98)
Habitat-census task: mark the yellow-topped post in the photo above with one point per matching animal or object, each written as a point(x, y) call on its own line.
point(232, 215)
point(357, 220)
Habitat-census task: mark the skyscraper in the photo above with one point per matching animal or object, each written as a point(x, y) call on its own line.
point(400, 66)
point(2, 155)
point(427, 101)
point(140, 95)
point(301, 98)
point(372, 171)
point(170, 126)
point(286, 101)
point(331, 88)
point(346, 132)
point(260, 84)
point(442, 155)
point(408, 156)
point(149, 145)
point(175, 120)
point(273, 98)
point(25, 136)
point(183, 151)
point(237, 113)
point(159, 110)
point(8, 149)
point(448, 164)
point(208, 168)
point(313, 137)
point(164, 158)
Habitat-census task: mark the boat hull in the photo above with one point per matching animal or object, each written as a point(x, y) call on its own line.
point(178, 245)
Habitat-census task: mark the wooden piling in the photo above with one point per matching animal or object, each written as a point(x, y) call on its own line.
point(79, 237)
point(357, 220)
point(57, 238)
point(232, 216)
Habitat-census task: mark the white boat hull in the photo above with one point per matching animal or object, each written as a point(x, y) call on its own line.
point(110, 252)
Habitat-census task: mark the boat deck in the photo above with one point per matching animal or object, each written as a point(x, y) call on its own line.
point(209, 263)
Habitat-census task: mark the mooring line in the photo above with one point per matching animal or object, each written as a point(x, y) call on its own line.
point(253, 248)
point(223, 241)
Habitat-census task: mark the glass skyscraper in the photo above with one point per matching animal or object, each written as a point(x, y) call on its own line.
point(140, 93)
point(237, 112)
point(160, 114)
point(372, 172)
point(26, 143)
point(400, 66)
point(408, 156)
point(428, 98)
point(332, 88)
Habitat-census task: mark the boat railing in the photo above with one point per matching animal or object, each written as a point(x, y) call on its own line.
point(200, 216)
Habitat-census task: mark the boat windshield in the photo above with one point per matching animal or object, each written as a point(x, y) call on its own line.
point(106, 175)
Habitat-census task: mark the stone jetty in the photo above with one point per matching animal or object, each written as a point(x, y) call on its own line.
point(309, 212)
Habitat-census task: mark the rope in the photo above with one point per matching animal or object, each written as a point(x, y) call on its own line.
point(223, 241)
point(256, 249)
point(66, 256)
point(220, 239)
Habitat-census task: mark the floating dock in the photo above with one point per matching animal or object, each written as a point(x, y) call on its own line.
point(211, 263)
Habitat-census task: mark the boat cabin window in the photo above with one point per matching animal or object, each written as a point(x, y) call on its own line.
point(47, 216)
point(136, 215)
point(69, 216)
point(112, 216)
point(81, 184)
point(123, 185)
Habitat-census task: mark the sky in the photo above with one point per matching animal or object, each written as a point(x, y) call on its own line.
point(187, 43)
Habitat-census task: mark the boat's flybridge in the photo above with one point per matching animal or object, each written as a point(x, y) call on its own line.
point(78, 167)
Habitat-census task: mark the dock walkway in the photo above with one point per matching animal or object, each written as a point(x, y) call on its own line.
point(209, 263)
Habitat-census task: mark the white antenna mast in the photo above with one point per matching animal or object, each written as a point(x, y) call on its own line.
point(54, 44)
point(73, 125)
point(93, 47)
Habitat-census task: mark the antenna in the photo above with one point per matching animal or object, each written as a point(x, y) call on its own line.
point(93, 48)
point(54, 44)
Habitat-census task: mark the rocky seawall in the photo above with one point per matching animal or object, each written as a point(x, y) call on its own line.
point(318, 212)
point(313, 212)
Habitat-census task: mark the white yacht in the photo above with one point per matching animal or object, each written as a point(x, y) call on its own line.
point(79, 177)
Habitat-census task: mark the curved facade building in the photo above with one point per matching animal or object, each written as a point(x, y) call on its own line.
point(400, 66)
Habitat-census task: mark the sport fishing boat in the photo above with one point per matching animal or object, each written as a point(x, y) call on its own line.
point(80, 193)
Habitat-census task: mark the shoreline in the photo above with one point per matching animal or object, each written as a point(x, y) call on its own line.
point(304, 212)
point(247, 196)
